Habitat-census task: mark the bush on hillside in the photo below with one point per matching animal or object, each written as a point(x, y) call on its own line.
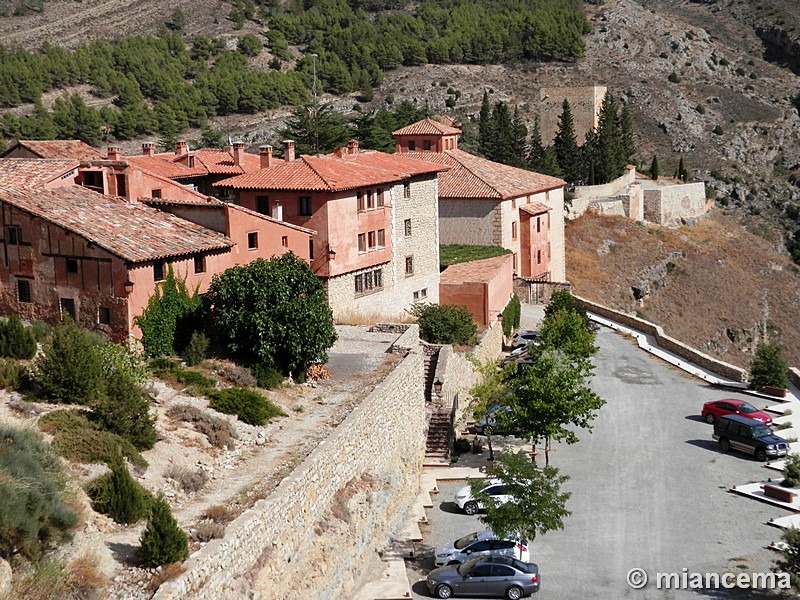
point(250, 406)
point(267, 377)
point(791, 471)
point(118, 495)
point(195, 352)
point(16, 340)
point(11, 373)
point(442, 324)
point(163, 541)
point(124, 409)
point(768, 368)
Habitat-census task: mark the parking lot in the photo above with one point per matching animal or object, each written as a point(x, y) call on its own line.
point(649, 490)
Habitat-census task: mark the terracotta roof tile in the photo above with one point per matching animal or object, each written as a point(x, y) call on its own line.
point(427, 127)
point(33, 172)
point(534, 208)
point(219, 162)
point(165, 167)
point(332, 173)
point(59, 149)
point(475, 271)
point(476, 177)
point(131, 230)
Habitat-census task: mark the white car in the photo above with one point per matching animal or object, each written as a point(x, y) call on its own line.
point(466, 502)
point(481, 543)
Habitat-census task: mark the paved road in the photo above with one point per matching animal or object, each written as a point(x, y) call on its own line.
point(649, 490)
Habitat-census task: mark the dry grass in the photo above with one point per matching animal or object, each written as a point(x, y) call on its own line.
point(207, 530)
point(235, 375)
point(370, 318)
point(219, 513)
point(51, 579)
point(220, 433)
point(167, 573)
point(187, 480)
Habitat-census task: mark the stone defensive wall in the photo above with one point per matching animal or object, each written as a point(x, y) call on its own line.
point(314, 535)
point(674, 204)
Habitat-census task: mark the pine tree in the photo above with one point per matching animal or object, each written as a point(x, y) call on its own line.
point(535, 155)
point(519, 137)
point(681, 170)
point(319, 129)
point(626, 134)
point(485, 126)
point(566, 146)
point(610, 161)
point(118, 495)
point(163, 541)
point(654, 168)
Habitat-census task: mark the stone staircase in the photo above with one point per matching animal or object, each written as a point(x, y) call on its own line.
point(429, 374)
point(437, 446)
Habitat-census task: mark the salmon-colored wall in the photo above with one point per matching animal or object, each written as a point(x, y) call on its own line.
point(483, 299)
point(533, 242)
point(439, 143)
point(138, 183)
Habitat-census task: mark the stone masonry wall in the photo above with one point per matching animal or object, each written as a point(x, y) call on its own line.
point(468, 222)
point(612, 188)
point(701, 359)
point(672, 204)
point(584, 102)
point(357, 486)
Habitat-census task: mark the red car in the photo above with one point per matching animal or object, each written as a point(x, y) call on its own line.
point(718, 408)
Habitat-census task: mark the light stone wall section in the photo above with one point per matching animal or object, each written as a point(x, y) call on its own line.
point(469, 222)
point(355, 488)
point(584, 102)
point(673, 204)
point(397, 295)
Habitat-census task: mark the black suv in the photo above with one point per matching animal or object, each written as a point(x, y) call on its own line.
point(749, 435)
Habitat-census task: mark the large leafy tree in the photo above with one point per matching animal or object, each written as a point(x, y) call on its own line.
point(272, 312)
point(539, 504)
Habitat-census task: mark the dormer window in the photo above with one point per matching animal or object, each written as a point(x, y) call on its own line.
point(412, 146)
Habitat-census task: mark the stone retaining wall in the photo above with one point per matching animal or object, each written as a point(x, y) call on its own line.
point(313, 536)
point(794, 376)
point(705, 361)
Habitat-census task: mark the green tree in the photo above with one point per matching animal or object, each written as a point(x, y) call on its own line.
point(442, 324)
point(177, 20)
point(566, 331)
point(610, 160)
point(539, 504)
point(790, 559)
point(681, 170)
point(566, 145)
point(163, 541)
point(316, 130)
point(654, 168)
point(626, 134)
point(16, 340)
point(536, 147)
point(70, 369)
point(249, 45)
point(119, 495)
point(768, 367)
point(791, 471)
point(273, 312)
point(564, 300)
point(486, 133)
point(124, 409)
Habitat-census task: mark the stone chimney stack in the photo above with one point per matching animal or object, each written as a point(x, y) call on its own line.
point(288, 150)
point(114, 153)
point(338, 152)
point(148, 148)
point(181, 148)
point(238, 151)
point(352, 147)
point(265, 153)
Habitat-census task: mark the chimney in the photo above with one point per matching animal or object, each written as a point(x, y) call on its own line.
point(288, 150)
point(265, 153)
point(338, 152)
point(148, 148)
point(352, 147)
point(181, 148)
point(238, 151)
point(114, 153)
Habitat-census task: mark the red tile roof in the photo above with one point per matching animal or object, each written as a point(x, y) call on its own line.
point(534, 208)
point(220, 162)
point(130, 230)
point(268, 218)
point(33, 172)
point(427, 127)
point(475, 271)
point(165, 166)
point(333, 173)
point(473, 177)
point(58, 149)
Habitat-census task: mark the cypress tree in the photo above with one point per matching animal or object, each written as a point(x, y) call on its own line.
point(519, 138)
point(610, 160)
point(654, 168)
point(163, 541)
point(626, 134)
point(566, 145)
point(485, 126)
point(118, 495)
point(535, 147)
point(681, 170)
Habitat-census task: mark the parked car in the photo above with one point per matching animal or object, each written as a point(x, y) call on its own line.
point(749, 435)
point(729, 406)
point(488, 423)
point(499, 576)
point(523, 337)
point(481, 543)
point(466, 502)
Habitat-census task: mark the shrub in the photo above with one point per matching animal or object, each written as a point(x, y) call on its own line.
point(163, 541)
point(236, 375)
point(118, 360)
point(124, 409)
point(266, 377)
point(33, 514)
point(249, 405)
point(194, 378)
point(461, 445)
point(511, 315)
point(186, 479)
point(195, 352)
point(70, 368)
point(791, 471)
point(718, 130)
point(219, 432)
point(768, 367)
point(118, 495)
point(249, 45)
point(442, 324)
point(41, 330)
point(205, 531)
point(51, 579)
point(673, 78)
point(78, 439)
point(16, 340)
point(790, 560)
point(11, 372)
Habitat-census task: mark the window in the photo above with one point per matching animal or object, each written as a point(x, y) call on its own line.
point(426, 145)
point(122, 188)
point(67, 307)
point(538, 224)
point(304, 206)
point(412, 146)
point(379, 195)
point(191, 162)
point(13, 235)
point(369, 282)
point(156, 193)
point(407, 227)
point(360, 201)
point(371, 240)
point(24, 290)
point(424, 293)
point(285, 241)
point(72, 265)
point(406, 189)
point(481, 570)
point(93, 180)
point(262, 204)
point(513, 230)
point(416, 296)
point(381, 238)
point(538, 257)
point(370, 200)
point(311, 249)
point(514, 260)
point(503, 571)
point(359, 280)
point(252, 240)
point(362, 242)
point(199, 263)
point(104, 315)
point(409, 265)
point(378, 278)
point(158, 271)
